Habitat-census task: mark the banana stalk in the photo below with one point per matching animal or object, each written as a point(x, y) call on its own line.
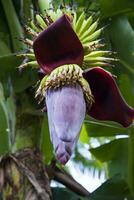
point(14, 25)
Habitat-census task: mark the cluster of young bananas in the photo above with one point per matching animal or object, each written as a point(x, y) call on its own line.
point(88, 34)
point(61, 76)
point(86, 31)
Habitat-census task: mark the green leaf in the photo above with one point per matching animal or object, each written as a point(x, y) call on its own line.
point(45, 143)
point(22, 81)
point(14, 25)
point(84, 138)
point(131, 161)
point(111, 150)
point(126, 88)
point(4, 126)
point(131, 18)
point(114, 7)
point(116, 154)
point(9, 68)
point(11, 109)
point(4, 49)
point(4, 30)
point(123, 43)
point(62, 193)
point(4, 138)
point(8, 63)
point(113, 189)
point(103, 128)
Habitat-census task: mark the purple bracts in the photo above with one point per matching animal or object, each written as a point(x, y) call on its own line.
point(109, 103)
point(66, 111)
point(58, 45)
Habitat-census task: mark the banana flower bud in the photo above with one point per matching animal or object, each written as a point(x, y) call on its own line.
point(66, 111)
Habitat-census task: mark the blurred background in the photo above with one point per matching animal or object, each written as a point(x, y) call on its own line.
point(105, 151)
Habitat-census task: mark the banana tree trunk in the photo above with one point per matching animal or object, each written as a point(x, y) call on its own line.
point(23, 176)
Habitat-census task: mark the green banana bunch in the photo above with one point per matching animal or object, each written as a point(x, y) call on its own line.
point(86, 31)
point(88, 34)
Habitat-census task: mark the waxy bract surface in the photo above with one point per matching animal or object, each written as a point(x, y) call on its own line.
point(58, 45)
point(109, 104)
point(66, 111)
